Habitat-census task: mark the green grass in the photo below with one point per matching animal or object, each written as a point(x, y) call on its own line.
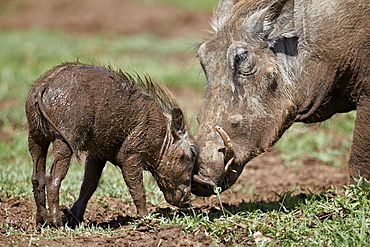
point(326, 219)
point(329, 141)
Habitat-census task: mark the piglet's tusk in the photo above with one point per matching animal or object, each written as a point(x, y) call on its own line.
point(229, 150)
point(201, 180)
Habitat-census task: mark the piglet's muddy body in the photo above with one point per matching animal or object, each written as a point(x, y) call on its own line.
point(134, 125)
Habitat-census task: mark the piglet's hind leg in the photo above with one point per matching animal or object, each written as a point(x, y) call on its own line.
point(38, 148)
point(54, 176)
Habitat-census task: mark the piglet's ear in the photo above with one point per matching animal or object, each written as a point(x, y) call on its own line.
point(178, 123)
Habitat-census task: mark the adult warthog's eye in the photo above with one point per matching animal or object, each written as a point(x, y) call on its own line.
point(241, 57)
point(244, 63)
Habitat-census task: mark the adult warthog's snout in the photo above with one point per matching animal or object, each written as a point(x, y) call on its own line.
point(205, 181)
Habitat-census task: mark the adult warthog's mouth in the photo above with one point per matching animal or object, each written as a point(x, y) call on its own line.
point(202, 186)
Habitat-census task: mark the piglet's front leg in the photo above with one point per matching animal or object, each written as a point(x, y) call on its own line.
point(132, 171)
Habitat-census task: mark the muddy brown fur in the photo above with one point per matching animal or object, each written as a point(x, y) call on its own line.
point(133, 123)
point(270, 63)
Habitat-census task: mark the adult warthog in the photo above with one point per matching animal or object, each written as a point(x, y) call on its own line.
point(271, 63)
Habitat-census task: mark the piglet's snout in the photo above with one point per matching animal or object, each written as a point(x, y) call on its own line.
point(185, 196)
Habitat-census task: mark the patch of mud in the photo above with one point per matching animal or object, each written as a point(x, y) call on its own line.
point(145, 235)
point(18, 214)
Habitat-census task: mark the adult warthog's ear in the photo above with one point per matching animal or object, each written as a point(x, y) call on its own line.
point(279, 20)
point(220, 14)
point(271, 23)
point(178, 125)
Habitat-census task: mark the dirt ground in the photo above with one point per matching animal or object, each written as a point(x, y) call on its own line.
point(266, 174)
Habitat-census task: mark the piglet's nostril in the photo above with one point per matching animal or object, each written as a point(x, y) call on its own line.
point(183, 188)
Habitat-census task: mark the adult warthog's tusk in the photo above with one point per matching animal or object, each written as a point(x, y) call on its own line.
point(228, 164)
point(201, 180)
point(229, 150)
